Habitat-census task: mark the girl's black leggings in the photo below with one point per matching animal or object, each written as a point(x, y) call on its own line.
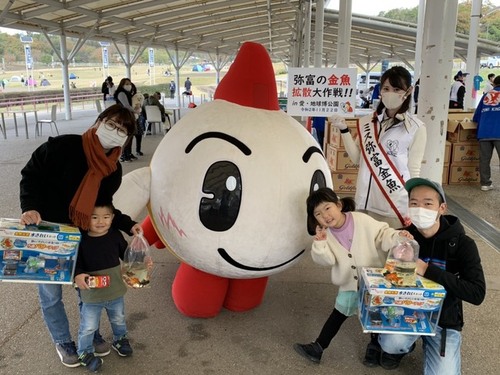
point(330, 328)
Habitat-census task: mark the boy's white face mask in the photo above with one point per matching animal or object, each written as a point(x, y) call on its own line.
point(422, 218)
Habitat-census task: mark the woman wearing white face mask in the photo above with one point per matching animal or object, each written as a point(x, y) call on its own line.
point(123, 95)
point(61, 183)
point(389, 149)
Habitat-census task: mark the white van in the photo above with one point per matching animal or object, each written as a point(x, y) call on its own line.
point(374, 79)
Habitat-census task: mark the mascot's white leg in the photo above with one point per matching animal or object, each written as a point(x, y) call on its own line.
point(134, 192)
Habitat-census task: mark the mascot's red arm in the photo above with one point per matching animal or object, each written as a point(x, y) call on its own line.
point(198, 294)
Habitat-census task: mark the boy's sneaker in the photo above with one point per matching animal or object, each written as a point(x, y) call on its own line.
point(132, 157)
point(101, 347)
point(67, 353)
point(487, 187)
point(139, 153)
point(122, 347)
point(90, 361)
point(312, 351)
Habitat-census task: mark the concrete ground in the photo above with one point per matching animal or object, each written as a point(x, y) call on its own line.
point(296, 304)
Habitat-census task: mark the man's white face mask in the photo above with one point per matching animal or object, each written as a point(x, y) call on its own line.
point(422, 218)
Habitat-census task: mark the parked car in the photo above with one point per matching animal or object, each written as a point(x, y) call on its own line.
point(490, 62)
point(15, 79)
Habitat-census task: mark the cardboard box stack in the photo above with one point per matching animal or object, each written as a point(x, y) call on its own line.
point(344, 171)
point(464, 159)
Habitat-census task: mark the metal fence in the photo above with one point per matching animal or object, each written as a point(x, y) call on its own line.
point(44, 101)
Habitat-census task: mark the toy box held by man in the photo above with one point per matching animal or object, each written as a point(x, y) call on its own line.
point(388, 308)
point(44, 253)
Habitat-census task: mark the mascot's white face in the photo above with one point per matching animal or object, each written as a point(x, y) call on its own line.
point(228, 189)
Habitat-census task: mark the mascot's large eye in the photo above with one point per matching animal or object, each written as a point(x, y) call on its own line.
point(318, 181)
point(223, 183)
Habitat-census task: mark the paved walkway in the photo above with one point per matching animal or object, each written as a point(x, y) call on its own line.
point(296, 304)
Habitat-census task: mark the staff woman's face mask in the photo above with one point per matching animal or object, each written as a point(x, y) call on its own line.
point(127, 87)
point(393, 100)
point(422, 218)
point(110, 136)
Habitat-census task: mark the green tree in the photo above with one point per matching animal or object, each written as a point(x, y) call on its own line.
point(490, 22)
point(401, 14)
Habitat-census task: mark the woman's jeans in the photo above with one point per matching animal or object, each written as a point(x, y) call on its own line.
point(90, 316)
point(434, 364)
point(50, 297)
point(54, 314)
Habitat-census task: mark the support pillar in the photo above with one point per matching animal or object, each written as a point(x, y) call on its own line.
point(344, 36)
point(65, 76)
point(472, 67)
point(318, 33)
point(435, 81)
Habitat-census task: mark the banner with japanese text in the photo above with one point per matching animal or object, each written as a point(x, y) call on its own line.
point(321, 91)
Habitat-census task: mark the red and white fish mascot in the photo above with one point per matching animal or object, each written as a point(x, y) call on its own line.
point(226, 191)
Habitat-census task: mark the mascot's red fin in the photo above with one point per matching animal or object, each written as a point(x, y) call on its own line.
point(250, 81)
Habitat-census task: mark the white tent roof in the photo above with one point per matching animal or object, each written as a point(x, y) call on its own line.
point(217, 25)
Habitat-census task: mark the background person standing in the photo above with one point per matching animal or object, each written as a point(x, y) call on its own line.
point(123, 95)
point(457, 92)
point(487, 117)
point(172, 89)
point(187, 86)
point(489, 85)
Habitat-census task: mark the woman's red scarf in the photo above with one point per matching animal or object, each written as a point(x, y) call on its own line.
point(100, 166)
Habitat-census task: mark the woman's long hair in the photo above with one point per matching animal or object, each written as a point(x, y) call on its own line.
point(120, 89)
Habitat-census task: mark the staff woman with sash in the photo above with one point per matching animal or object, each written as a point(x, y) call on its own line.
point(389, 149)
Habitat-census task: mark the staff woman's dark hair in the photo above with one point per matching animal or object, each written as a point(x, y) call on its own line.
point(325, 195)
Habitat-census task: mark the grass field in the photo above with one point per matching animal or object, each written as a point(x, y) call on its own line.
point(92, 77)
point(89, 77)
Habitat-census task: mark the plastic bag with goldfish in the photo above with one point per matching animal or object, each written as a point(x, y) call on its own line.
point(137, 263)
point(401, 264)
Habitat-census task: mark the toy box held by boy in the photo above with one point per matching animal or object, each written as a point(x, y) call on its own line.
point(386, 308)
point(44, 253)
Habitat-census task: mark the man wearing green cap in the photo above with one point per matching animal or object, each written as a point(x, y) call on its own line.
point(449, 257)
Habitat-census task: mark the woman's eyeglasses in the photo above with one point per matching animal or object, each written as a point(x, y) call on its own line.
point(112, 125)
